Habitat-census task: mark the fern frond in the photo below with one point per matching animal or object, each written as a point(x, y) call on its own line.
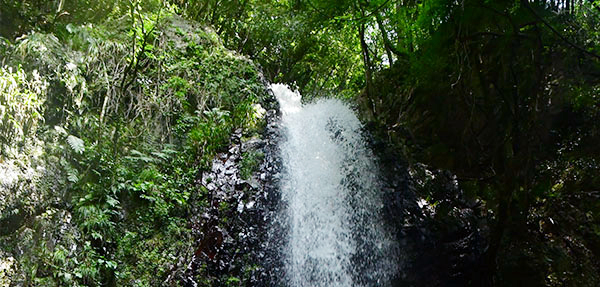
point(76, 144)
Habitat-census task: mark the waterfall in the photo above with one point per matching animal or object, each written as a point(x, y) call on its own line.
point(330, 197)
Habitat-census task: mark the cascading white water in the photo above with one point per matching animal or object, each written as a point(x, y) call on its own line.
point(330, 190)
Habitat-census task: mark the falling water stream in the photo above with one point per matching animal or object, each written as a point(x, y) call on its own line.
point(330, 193)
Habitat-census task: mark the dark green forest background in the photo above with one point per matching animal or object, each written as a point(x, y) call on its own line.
point(110, 109)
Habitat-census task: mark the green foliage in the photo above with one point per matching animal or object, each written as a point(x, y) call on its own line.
point(234, 281)
point(76, 144)
point(250, 163)
point(487, 97)
point(207, 137)
point(131, 109)
point(301, 51)
point(21, 106)
point(493, 91)
point(20, 17)
point(113, 107)
point(181, 89)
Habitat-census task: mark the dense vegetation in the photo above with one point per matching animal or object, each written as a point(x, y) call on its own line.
point(107, 122)
point(494, 93)
point(110, 108)
point(501, 94)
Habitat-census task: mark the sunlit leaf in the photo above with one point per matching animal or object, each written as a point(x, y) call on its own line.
point(76, 144)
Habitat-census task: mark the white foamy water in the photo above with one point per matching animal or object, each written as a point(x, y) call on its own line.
point(331, 192)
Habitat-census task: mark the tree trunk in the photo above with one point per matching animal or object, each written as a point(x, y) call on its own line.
point(367, 63)
point(386, 40)
point(490, 257)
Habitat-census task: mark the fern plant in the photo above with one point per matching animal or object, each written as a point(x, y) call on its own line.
point(76, 144)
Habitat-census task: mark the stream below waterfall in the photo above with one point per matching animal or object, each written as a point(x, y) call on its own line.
point(330, 214)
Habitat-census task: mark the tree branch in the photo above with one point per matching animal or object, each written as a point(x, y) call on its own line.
point(563, 38)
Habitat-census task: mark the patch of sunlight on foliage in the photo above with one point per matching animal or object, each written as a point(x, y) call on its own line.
point(6, 270)
point(76, 144)
point(21, 106)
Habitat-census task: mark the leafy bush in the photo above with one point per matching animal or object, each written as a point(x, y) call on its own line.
point(21, 106)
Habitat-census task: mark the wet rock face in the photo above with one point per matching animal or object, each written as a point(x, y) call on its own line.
point(231, 220)
point(443, 238)
point(441, 244)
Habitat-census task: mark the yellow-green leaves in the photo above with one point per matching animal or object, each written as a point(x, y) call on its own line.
point(21, 104)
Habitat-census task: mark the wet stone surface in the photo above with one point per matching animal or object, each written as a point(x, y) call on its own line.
point(231, 226)
point(238, 236)
point(443, 243)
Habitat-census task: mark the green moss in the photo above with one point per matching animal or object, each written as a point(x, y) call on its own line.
point(250, 163)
